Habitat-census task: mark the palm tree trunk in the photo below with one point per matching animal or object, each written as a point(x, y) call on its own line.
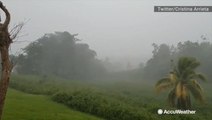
point(184, 103)
point(179, 103)
point(188, 102)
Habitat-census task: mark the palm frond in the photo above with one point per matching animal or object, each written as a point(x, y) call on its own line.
point(163, 86)
point(173, 77)
point(198, 76)
point(186, 73)
point(178, 89)
point(197, 85)
point(196, 90)
point(177, 73)
point(163, 80)
point(181, 64)
point(201, 77)
point(187, 63)
point(194, 64)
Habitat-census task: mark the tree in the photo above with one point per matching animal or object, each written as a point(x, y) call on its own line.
point(184, 81)
point(5, 40)
point(158, 62)
point(60, 54)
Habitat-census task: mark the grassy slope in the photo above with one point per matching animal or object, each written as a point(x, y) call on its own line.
point(22, 106)
point(137, 94)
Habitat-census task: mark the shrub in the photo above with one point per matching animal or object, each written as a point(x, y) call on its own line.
point(99, 105)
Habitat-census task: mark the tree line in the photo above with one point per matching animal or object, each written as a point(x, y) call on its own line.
point(62, 54)
point(163, 54)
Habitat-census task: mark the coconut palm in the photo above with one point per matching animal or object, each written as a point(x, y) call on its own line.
point(184, 81)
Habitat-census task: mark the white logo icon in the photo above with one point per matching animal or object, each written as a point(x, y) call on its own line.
point(160, 111)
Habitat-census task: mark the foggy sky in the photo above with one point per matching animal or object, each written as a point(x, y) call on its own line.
point(122, 30)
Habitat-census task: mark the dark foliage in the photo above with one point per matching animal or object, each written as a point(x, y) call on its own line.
point(97, 104)
point(163, 54)
point(59, 54)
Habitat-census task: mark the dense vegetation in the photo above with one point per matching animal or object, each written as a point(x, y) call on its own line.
point(125, 98)
point(160, 63)
point(100, 105)
point(62, 54)
point(67, 71)
point(59, 54)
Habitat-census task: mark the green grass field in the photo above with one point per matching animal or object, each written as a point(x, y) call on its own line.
point(22, 106)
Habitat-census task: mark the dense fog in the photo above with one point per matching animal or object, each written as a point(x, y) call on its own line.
point(105, 59)
point(121, 31)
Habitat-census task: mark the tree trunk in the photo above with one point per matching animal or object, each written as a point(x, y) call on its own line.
point(5, 41)
point(5, 76)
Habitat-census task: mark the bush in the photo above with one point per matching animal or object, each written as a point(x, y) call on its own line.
point(99, 105)
point(33, 85)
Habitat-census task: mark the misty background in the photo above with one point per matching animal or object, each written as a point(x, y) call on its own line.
point(121, 31)
point(107, 58)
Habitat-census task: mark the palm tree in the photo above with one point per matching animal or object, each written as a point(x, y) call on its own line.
point(183, 80)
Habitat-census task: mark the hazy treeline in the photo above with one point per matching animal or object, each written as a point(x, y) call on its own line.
point(59, 54)
point(160, 63)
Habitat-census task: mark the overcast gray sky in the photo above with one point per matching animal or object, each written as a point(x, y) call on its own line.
point(122, 30)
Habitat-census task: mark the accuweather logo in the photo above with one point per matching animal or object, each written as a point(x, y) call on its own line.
point(168, 112)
